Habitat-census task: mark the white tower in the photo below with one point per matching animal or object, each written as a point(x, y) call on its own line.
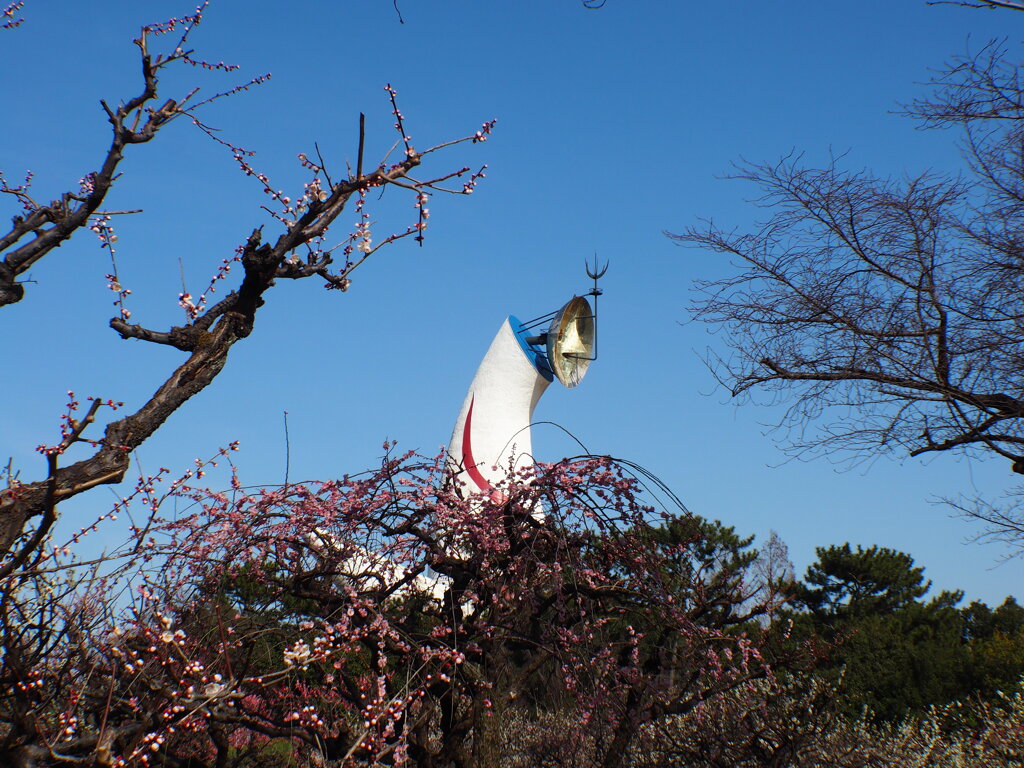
point(492, 433)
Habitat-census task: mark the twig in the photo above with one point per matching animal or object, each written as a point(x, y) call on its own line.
point(362, 140)
point(287, 451)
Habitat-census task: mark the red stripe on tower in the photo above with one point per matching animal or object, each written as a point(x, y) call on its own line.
point(467, 452)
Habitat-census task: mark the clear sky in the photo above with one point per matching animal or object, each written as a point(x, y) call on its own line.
point(614, 126)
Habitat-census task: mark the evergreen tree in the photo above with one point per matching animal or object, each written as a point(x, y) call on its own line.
point(995, 642)
point(860, 583)
point(894, 652)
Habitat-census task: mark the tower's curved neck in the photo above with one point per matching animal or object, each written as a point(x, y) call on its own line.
point(492, 434)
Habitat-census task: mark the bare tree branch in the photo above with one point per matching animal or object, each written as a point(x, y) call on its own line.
point(1012, 5)
point(46, 227)
point(211, 331)
point(886, 313)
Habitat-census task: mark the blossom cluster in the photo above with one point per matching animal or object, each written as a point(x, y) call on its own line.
point(20, 191)
point(8, 18)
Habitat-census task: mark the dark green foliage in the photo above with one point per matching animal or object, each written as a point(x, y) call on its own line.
point(995, 641)
point(895, 653)
point(703, 554)
point(903, 662)
point(982, 623)
point(860, 583)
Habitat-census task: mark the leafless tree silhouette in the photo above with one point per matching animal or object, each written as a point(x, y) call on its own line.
point(887, 313)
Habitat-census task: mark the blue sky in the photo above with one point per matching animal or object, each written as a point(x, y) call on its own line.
point(614, 126)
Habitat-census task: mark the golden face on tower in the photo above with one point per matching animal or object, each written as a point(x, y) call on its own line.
point(570, 341)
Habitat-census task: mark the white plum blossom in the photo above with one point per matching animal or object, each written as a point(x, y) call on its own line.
point(298, 655)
